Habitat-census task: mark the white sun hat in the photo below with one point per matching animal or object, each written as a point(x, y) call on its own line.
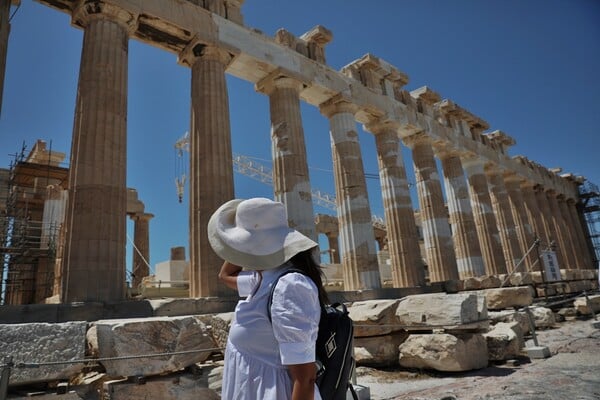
point(254, 234)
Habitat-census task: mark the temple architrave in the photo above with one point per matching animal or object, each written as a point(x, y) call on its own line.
point(496, 207)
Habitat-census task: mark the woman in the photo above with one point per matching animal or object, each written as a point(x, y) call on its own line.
point(268, 360)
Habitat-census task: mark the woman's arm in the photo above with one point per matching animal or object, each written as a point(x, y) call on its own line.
point(303, 380)
point(228, 274)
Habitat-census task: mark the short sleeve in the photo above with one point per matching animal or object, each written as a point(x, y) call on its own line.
point(247, 282)
point(295, 314)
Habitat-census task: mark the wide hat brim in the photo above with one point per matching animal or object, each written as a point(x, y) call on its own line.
point(260, 249)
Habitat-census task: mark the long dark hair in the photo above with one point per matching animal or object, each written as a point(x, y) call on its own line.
point(305, 261)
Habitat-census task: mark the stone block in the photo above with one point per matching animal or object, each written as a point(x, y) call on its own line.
point(444, 352)
point(378, 351)
point(439, 310)
point(370, 314)
point(537, 277)
point(489, 281)
point(577, 286)
point(471, 284)
point(500, 298)
point(179, 386)
point(504, 341)
point(520, 279)
point(40, 343)
point(511, 316)
point(145, 336)
point(543, 318)
point(198, 306)
point(585, 307)
point(218, 325)
point(453, 286)
point(568, 274)
point(538, 352)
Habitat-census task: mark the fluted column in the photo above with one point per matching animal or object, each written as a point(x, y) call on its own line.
point(523, 229)
point(562, 236)
point(94, 263)
point(291, 182)
point(580, 231)
point(533, 216)
point(439, 249)
point(141, 252)
point(402, 240)
point(464, 235)
point(485, 222)
point(211, 169)
point(546, 217)
point(334, 248)
point(505, 219)
point(359, 259)
point(572, 243)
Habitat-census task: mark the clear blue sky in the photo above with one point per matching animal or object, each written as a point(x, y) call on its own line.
point(530, 68)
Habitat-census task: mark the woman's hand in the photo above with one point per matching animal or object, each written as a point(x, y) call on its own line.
point(303, 380)
point(228, 274)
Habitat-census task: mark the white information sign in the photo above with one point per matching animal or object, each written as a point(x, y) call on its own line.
point(550, 265)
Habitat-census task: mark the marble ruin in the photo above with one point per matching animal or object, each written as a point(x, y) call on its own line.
point(497, 205)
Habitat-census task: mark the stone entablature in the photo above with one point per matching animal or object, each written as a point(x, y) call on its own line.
point(172, 26)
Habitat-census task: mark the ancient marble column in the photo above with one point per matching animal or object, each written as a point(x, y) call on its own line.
point(141, 252)
point(291, 182)
point(334, 248)
point(505, 219)
point(574, 245)
point(485, 221)
point(439, 249)
point(94, 259)
point(402, 240)
point(464, 235)
point(535, 220)
point(523, 229)
point(357, 240)
point(546, 217)
point(581, 231)
point(571, 237)
point(211, 169)
point(562, 237)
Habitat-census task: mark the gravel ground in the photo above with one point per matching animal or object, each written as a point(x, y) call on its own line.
point(572, 372)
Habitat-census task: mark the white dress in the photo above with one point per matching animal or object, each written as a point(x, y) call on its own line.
point(257, 351)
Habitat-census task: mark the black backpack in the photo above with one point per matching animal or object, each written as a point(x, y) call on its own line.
point(334, 347)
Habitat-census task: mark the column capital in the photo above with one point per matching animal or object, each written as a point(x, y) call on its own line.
point(417, 138)
point(277, 80)
point(141, 216)
point(88, 10)
point(197, 50)
point(381, 125)
point(337, 104)
point(443, 152)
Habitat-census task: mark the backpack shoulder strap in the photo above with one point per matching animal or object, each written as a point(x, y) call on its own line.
point(270, 302)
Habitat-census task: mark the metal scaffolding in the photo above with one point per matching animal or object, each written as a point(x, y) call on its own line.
point(589, 196)
point(27, 243)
